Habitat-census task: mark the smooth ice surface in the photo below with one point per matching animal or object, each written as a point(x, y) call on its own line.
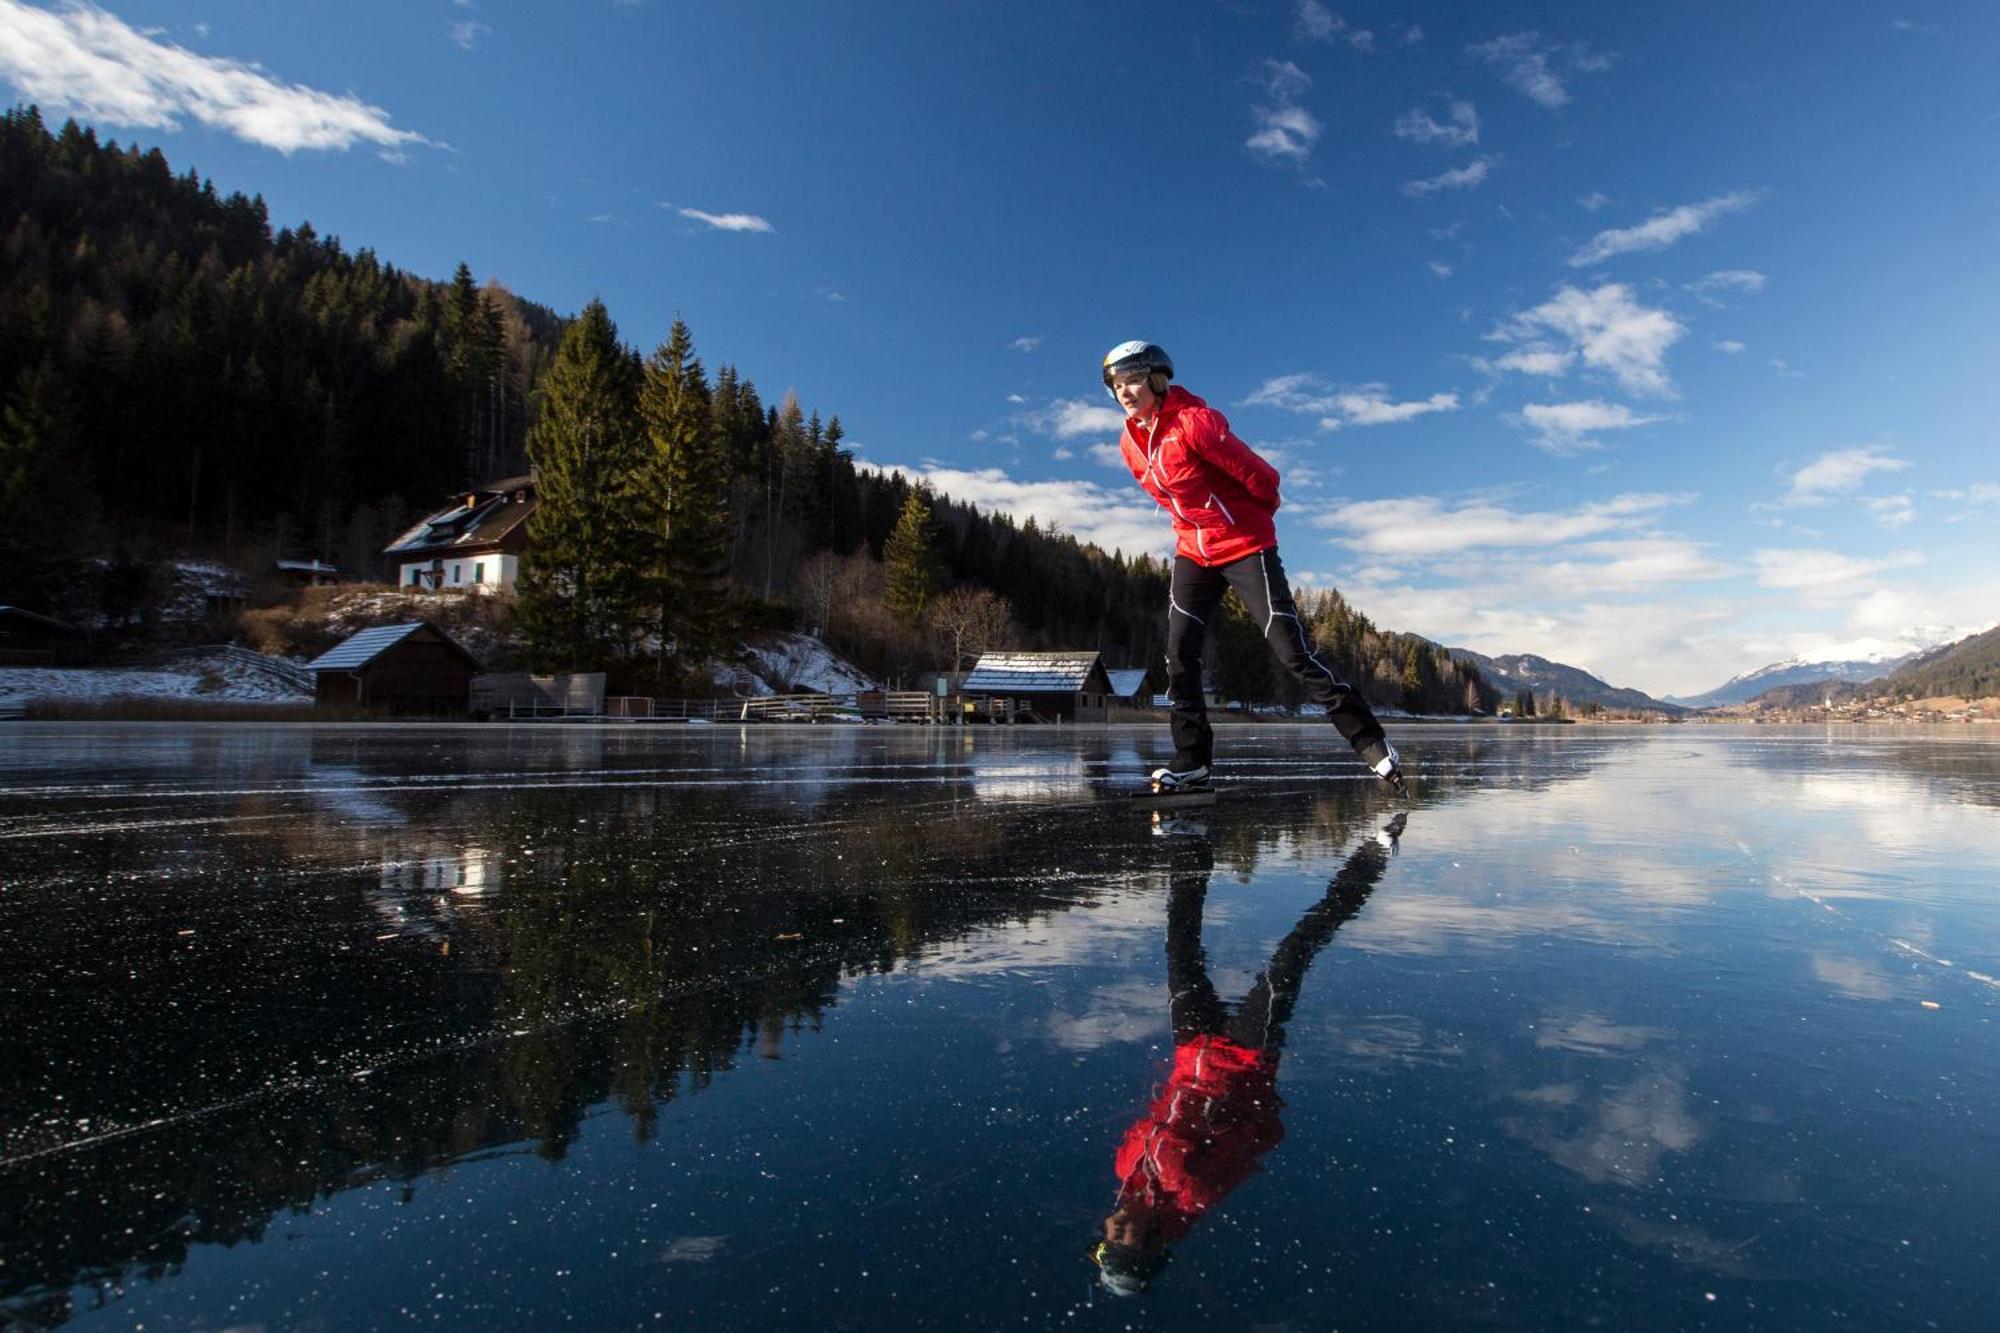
point(354, 1027)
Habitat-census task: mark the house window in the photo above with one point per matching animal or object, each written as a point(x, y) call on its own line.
point(454, 572)
point(479, 572)
point(416, 577)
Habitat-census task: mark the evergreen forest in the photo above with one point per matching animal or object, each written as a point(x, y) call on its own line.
point(182, 381)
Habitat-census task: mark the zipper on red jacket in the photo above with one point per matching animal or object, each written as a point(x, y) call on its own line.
point(1216, 500)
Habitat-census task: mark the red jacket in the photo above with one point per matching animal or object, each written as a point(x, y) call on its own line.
point(1203, 1134)
point(1221, 494)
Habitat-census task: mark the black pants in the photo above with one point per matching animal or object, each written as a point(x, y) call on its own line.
point(1258, 1021)
point(1259, 581)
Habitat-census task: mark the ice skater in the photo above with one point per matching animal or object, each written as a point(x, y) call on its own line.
point(1222, 497)
point(1218, 1114)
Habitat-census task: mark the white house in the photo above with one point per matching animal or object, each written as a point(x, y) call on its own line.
point(474, 544)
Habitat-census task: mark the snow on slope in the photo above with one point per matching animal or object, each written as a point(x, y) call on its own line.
point(793, 662)
point(210, 676)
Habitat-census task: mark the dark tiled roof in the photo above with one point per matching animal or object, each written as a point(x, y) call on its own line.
point(459, 526)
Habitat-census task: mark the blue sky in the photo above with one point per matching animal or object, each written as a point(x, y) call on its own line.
point(1655, 340)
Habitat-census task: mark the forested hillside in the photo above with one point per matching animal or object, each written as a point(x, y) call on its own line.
point(181, 380)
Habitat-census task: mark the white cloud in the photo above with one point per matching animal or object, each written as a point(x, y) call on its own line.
point(1526, 64)
point(1410, 35)
point(1440, 270)
point(1370, 406)
point(1063, 453)
point(604, 217)
point(749, 222)
point(90, 63)
point(1609, 329)
point(1026, 344)
point(1364, 405)
point(467, 32)
point(1891, 511)
point(1808, 570)
point(1593, 201)
point(1116, 518)
point(1663, 228)
point(1839, 472)
point(1015, 398)
point(1711, 289)
point(1286, 131)
point(1566, 428)
point(1418, 126)
point(1067, 418)
point(1424, 525)
point(1317, 23)
point(1466, 177)
point(1978, 493)
point(1532, 359)
point(1728, 346)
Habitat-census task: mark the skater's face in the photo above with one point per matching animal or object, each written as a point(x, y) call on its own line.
point(1134, 395)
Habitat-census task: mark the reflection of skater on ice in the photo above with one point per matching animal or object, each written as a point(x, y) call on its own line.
point(1218, 1114)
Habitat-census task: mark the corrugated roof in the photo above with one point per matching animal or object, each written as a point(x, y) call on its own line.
point(1030, 673)
point(358, 651)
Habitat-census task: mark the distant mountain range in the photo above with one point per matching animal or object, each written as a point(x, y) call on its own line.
point(1743, 688)
point(1515, 672)
point(1968, 669)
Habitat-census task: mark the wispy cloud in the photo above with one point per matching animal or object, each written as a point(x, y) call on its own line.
point(1067, 418)
point(1364, 405)
point(1115, 517)
point(1727, 346)
point(88, 62)
point(1026, 343)
point(1529, 65)
point(1535, 358)
point(1286, 131)
point(1426, 525)
point(1839, 472)
point(1891, 511)
point(467, 32)
point(1609, 330)
point(1466, 177)
point(749, 222)
point(1593, 201)
point(1317, 23)
point(1663, 228)
point(1419, 126)
point(1441, 270)
point(1811, 569)
point(1710, 290)
point(1566, 429)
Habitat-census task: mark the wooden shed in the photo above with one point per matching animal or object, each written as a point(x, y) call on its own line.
point(411, 668)
point(1050, 687)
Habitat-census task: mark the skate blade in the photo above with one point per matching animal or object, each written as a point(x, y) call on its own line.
point(1149, 799)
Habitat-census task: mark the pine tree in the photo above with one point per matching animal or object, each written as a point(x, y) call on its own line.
point(44, 491)
point(1242, 654)
point(911, 562)
point(683, 488)
point(581, 587)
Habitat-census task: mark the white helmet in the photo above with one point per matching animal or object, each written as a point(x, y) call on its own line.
point(1129, 358)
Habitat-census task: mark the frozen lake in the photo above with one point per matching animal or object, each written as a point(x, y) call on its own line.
point(355, 1027)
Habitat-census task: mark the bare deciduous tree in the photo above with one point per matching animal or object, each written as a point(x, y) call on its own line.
point(970, 621)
